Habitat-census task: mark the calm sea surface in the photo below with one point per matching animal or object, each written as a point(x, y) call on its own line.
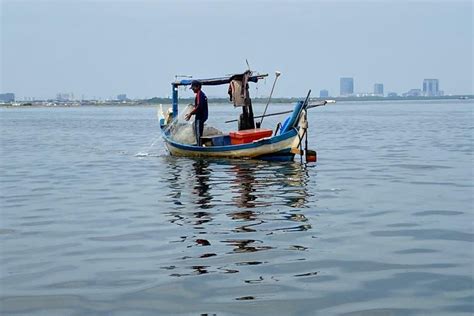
point(97, 219)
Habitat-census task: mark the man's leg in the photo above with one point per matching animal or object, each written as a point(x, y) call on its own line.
point(197, 131)
point(201, 131)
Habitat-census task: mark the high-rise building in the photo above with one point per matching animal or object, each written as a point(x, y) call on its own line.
point(64, 96)
point(378, 89)
point(7, 97)
point(413, 93)
point(122, 97)
point(323, 93)
point(347, 86)
point(431, 87)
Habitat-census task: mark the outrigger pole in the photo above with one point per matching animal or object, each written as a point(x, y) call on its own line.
point(314, 105)
point(277, 74)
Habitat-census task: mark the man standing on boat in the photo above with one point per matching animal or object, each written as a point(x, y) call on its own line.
point(200, 111)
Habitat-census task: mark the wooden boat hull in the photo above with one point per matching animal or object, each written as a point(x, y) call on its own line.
point(272, 148)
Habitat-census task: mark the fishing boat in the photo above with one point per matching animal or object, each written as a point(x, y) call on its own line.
point(250, 141)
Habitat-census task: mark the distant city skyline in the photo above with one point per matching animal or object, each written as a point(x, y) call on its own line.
point(428, 88)
point(99, 49)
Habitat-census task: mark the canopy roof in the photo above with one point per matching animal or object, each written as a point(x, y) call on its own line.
point(216, 81)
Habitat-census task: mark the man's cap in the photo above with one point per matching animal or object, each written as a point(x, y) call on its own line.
point(195, 83)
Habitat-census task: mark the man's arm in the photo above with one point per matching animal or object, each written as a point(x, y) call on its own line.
point(195, 109)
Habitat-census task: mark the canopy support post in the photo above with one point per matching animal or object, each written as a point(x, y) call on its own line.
point(175, 100)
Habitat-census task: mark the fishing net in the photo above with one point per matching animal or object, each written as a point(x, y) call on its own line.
point(182, 131)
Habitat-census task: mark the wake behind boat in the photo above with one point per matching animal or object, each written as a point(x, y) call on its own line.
point(250, 141)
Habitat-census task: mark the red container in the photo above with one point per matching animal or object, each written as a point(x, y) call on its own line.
point(249, 135)
point(311, 156)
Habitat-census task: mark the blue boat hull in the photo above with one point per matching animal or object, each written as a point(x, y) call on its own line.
point(276, 148)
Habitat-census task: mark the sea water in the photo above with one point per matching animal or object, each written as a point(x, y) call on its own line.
point(97, 218)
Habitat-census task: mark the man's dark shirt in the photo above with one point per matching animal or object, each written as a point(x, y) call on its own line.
point(200, 110)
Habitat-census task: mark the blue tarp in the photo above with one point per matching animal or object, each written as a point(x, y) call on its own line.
point(216, 81)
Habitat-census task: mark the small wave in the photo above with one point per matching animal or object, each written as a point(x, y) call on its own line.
point(140, 154)
point(422, 167)
point(427, 234)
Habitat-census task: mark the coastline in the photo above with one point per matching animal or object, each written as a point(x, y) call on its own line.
point(167, 101)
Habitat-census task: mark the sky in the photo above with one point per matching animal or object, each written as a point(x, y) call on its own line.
point(102, 48)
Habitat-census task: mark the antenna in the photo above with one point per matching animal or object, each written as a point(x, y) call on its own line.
point(248, 66)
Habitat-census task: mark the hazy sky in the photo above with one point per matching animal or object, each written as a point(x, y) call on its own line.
point(104, 48)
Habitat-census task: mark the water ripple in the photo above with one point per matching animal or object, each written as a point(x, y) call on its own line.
point(98, 219)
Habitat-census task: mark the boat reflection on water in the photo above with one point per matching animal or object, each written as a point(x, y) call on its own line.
point(255, 185)
point(244, 205)
point(201, 185)
point(244, 183)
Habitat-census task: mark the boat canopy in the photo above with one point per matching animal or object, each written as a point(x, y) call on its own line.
point(211, 82)
point(216, 81)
